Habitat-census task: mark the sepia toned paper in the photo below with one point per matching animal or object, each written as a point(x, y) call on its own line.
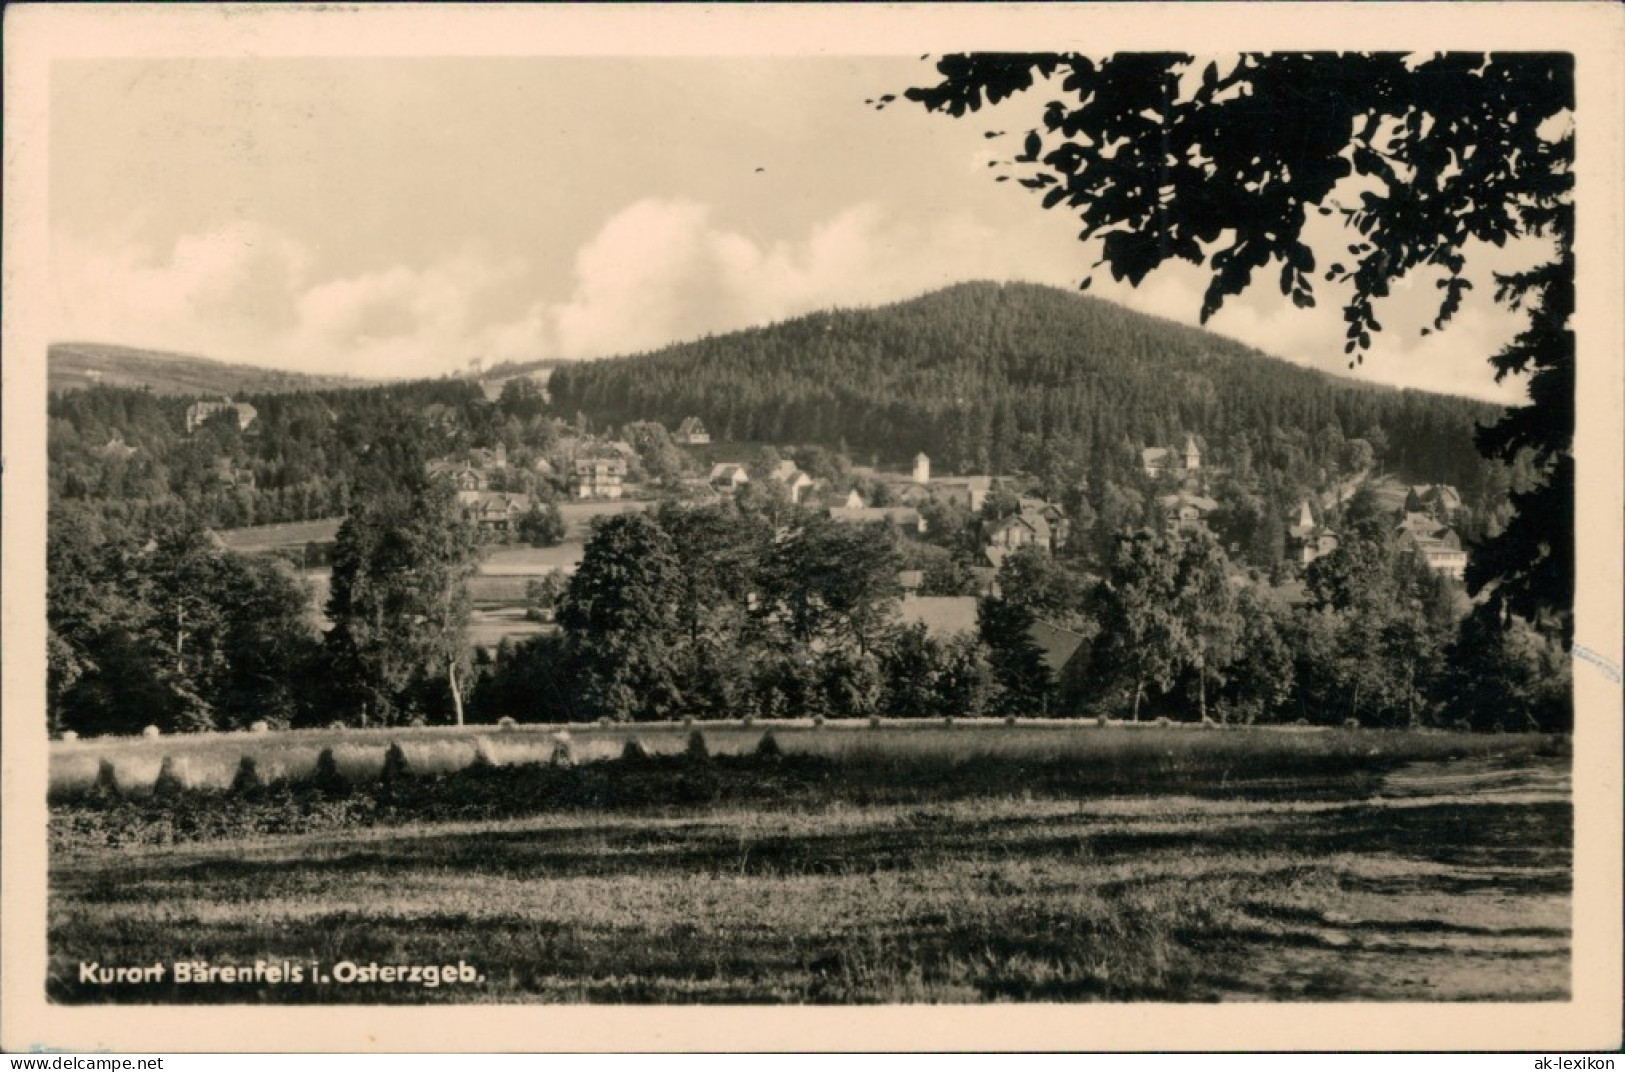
point(41, 38)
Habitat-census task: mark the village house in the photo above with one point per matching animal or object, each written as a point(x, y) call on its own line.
point(1309, 540)
point(728, 476)
point(199, 412)
point(1026, 529)
point(1439, 501)
point(1438, 543)
point(460, 475)
point(794, 480)
point(969, 492)
point(691, 433)
point(1162, 461)
point(471, 472)
point(1184, 512)
point(851, 500)
point(597, 478)
point(911, 494)
point(493, 511)
point(1059, 526)
point(117, 448)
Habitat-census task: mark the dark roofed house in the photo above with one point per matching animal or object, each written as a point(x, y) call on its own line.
point(1163, 461)
point(1057, 646)
point(1185, 513)
point(911, 494)
point(1438, 543)
point(1309, 540)
point(597, 478)
point(795, 482)
point(728, 476)
point(1060, 528)
point(198, 412)
point(967, 491)
point(498, 511)
point(460, 476)
point(1026, 529)
point(1440, 501)
point(692, 433)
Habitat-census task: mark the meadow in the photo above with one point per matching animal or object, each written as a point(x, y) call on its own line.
point(909, 862)
point(498, 591)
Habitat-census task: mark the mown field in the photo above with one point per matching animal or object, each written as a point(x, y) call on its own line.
point(498, 590)
point(917, 863)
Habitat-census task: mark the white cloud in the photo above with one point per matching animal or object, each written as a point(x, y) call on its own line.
point(229, 280)
point(660, 270)
point(245, 293)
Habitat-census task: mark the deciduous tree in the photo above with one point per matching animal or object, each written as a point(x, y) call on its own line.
point(399, 600)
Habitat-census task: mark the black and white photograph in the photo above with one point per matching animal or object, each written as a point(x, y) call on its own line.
point(639, 517)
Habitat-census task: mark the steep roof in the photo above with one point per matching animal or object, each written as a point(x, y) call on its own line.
point(1027, 519)
point(1058, 646)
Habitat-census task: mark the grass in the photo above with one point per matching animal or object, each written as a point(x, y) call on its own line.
point(1434, 897)
point(487, 628)
point(910, 863)
point(516, 560)
point(290, 534)
point(498, 590)
point(1118, 758)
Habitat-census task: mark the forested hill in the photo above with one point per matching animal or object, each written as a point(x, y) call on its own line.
point(82, 364)
point(989, 377)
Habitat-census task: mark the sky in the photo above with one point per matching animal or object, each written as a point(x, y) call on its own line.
point(387, 217)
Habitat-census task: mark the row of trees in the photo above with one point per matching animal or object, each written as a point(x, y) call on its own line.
point(722, 612)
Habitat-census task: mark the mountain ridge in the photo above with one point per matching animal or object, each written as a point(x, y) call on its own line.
point(74, 365)
point(995, 376)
